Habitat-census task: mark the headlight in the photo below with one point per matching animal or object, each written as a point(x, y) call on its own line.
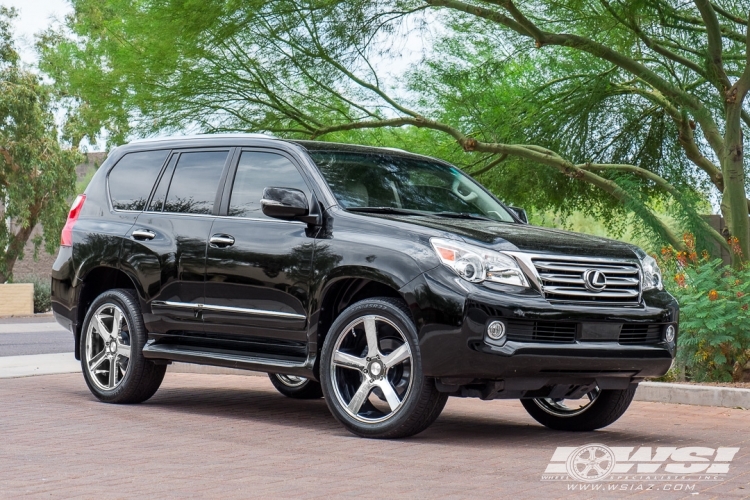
point(651, 274)
point(477, 264)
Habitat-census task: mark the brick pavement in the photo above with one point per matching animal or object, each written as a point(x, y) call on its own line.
point(223, 436)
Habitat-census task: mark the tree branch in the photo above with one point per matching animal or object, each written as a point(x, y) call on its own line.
point(650, 43)
point(665, 186)
point(601, 51)
point(713, 30)
point(489, 166)
point(728, 15)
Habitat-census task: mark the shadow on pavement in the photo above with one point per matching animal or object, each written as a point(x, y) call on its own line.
point(506, 426)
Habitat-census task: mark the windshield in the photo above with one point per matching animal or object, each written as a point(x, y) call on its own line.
point(382, 181)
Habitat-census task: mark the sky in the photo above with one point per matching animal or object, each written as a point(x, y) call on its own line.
point(33, 17)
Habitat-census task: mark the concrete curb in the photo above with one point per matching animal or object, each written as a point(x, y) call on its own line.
point(699, 395)
point(38, 364)
point(53, 364)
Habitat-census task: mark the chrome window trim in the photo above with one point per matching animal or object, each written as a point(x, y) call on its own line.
point(239, 310)
point(180, 214)
point(267, 219)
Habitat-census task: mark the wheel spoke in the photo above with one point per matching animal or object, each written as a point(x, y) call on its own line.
point(101, 329)
point(123, 350)
point(359, 397)
point(113, 372)
point(116, 323)
point(400, 354)
point(372, 336)
point(390, 394)
point(348, 361)
point(97, 360)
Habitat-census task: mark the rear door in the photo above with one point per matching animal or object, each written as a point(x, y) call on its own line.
point(168, 249)
point(258, 268)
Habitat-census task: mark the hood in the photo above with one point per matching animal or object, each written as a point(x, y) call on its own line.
point(523, 237)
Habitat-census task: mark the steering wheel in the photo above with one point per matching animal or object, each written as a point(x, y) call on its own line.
point(466, 197)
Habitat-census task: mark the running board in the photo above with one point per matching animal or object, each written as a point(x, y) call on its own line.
point(226, 360)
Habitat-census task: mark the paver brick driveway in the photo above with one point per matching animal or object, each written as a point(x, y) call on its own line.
point(223, 436)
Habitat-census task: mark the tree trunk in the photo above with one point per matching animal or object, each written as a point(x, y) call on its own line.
point(732, 165)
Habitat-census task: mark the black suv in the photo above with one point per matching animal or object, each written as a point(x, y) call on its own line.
point(381, 280)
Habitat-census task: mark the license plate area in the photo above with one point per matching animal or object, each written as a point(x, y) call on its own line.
point(598, 332)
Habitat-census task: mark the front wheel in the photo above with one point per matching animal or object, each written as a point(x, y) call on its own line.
point(371, 372)
point(599, 408)
point(295, 387)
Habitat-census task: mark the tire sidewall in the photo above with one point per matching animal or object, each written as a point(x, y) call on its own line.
point(126, 303)
point(605, 410)
point(405, 323)
point(310, 389)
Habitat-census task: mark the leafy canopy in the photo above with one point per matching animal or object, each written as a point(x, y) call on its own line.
point(36, 175)
point(607, 106)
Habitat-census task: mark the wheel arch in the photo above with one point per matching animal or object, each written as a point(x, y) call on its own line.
point(97, 281)
point(344, 291)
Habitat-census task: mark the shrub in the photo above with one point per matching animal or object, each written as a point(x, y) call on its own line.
point(42, 293)
point(714, 338)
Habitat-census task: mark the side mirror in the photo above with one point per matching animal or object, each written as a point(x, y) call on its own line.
point(521, 214)
point(288, 204)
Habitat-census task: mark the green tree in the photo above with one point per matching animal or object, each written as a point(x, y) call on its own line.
point(37, 176)
point(610, 106)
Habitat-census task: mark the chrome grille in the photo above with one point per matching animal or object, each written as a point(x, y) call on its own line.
point(566, 280)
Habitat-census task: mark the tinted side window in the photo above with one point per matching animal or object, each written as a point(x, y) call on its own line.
point(131, 180)
point(257, 171)
point(194, 182)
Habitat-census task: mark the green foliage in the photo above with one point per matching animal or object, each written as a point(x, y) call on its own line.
point(36, 174)
point(714, 337)
point(42, 293)
point(633, 89)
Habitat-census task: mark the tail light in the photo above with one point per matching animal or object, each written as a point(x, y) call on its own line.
point(66, 238)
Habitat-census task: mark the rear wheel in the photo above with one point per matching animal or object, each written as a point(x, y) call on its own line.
point(293, 386)
point(113, 336)
point(371, 372)
point(599, 408)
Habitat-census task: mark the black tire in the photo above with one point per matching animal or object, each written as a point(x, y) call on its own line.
point(141, 378)
point(603, 411)
point(296, 389)
point(419, 405)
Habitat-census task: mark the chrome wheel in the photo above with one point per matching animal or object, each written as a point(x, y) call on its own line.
point(371, 369)
point(567, 407)
point(291, 380)
point(107, 348)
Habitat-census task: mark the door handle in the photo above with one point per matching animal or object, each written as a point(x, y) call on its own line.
point(143, 234)
point(221, 240)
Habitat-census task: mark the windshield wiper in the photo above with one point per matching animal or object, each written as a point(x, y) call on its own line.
point(461, 215)
point(384, 210)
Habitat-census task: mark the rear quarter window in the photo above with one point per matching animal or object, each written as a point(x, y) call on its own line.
point(132, 178)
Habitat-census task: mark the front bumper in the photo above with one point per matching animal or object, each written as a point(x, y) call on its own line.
point(452, 316)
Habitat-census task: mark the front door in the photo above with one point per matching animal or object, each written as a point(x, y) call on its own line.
point(258, 268)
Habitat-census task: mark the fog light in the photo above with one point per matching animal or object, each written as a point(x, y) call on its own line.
point(671, 332)
point(496, 330)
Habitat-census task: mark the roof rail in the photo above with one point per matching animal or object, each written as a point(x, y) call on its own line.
point(204, 136)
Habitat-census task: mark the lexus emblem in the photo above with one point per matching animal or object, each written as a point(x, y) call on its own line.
point(594, 280)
